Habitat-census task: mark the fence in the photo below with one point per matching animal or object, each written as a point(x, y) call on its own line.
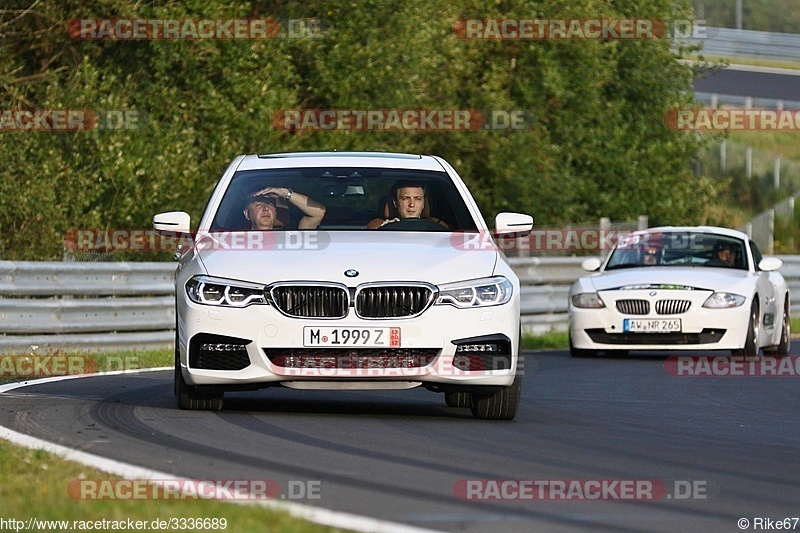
point(114, 306)
point(765, 176)
point(768, 170)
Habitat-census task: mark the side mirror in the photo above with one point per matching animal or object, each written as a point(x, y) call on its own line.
point(172, 222)
point(517, 224)
point(768, 264)
point(591, 264)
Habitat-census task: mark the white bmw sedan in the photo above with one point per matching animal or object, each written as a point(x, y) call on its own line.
point(354, 271)
point(681, 288)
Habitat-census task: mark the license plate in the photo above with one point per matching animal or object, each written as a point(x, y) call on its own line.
point(369, 337)
point(636, 325)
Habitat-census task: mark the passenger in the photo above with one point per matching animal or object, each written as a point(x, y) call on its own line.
point(650, 256)
point(261, 208)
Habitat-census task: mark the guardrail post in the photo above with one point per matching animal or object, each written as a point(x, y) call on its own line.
point(738, 14)
point(749, 162)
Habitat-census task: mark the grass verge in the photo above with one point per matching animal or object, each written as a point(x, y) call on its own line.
point(783, 143)
point(747, 61)
point(548, 341)
point(33, 483)
point(19, 367)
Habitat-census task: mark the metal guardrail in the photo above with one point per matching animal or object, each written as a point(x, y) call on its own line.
point(727, 42)
point(715, 100)
point(118, 306)
point(86, 306)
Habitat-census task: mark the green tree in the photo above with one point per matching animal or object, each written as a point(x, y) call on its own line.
point(598, 145)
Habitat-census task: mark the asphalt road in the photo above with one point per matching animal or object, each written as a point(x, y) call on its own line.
point(398, 455)
point(756, 84)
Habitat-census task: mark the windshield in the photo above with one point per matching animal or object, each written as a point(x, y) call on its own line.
point(352, 199)
point(644, 249)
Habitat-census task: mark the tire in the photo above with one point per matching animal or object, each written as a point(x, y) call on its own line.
point(457, 399)
point(500, 405)
point(187, 396)
point(782, 349)
point(751, 341)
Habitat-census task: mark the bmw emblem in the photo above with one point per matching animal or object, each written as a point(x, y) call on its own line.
point(652, 293)
point(351, 272)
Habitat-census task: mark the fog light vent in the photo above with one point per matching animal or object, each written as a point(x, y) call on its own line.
point(218, 352)
point(491, 352)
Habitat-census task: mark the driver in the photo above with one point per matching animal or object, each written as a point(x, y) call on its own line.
point(409, 203)
point(726, 253)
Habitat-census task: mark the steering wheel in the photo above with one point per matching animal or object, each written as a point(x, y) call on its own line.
point(413, 224)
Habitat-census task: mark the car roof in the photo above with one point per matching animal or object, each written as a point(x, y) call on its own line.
point(340, 159)
point(726, 232)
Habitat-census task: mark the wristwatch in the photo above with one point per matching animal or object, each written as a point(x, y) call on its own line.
point(290, 193)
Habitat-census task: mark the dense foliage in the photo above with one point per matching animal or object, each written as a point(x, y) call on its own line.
point(598, 145)
point(761, 15)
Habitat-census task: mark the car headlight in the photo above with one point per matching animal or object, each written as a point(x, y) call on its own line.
point(483, 292)
point(224, 292)
point(723, 300)
point(587, 300)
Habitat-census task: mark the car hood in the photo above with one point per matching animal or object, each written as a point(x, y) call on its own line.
point(325, 256)
point(699, 277)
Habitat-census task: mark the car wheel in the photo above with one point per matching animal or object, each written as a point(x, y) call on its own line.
point(751, 341)
point(187, 396)
point(500, 405)
point(785, 343)
point(457, 399)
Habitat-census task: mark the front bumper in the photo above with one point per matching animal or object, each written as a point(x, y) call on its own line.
point(701, 328)
point(273, 350)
